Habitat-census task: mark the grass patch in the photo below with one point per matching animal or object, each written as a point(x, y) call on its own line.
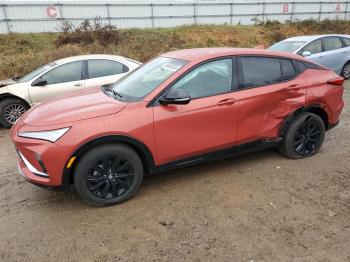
point(21, 53)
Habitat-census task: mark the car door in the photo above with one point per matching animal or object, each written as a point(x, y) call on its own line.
point(269, 90)
point(208, 122)
point(103, 71)
point(60, 80)
point(333, 54)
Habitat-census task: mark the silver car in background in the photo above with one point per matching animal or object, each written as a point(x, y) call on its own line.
point(331, 51)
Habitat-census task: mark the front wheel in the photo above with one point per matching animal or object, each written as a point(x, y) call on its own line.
point(304, 136)
point(11, 109)
point(108, 174)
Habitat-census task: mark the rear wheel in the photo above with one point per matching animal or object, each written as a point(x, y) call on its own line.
point(108, 174)
point(11, 109)
point(304, 136)
point(346, 71)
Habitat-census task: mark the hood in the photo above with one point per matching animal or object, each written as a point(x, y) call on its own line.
point(73, 107)
point(7, 82)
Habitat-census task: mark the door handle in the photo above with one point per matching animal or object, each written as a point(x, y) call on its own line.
point(226, 102)
point(78, 84)
point(294, 87)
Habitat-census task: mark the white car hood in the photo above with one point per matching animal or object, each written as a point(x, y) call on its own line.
point(7, 82)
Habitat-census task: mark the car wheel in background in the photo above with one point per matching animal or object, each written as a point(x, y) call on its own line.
point(346, 71)
point(304, 136)
point(11, 109)
point(108, 174)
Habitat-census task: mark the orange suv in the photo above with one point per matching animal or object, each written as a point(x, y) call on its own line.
point(182, 108)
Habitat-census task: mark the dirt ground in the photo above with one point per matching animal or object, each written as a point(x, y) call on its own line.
point(257, 207)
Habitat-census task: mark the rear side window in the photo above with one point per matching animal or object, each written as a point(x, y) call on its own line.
point(101, 67)
point(288, 71)
point(346, 41)
point(313, 66)
point(299, 66)
point(260, 71)
point(331, 43)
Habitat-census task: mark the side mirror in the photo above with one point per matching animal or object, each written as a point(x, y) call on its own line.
point(40, 82)
point(16, 78)
point(306, 53)
point(175, 97)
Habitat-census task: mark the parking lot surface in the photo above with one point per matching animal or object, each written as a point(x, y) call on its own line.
point(256, 207)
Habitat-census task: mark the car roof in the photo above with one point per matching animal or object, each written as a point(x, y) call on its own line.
point(201, 54)
point(92, 56)
point(308, 38)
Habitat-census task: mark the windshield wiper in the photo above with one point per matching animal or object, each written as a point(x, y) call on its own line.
point(16, 78)
point(115, 93)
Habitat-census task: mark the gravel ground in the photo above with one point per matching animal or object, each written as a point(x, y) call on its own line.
point(257, 207)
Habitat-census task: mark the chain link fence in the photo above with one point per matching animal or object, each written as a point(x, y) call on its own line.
point(44, 17)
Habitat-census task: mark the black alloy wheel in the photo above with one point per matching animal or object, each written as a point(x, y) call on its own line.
point(108, 174)
point(303, 137)
point(307, 137)
point(110, 177)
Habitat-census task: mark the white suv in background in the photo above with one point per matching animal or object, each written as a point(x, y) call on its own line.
point(59, 77)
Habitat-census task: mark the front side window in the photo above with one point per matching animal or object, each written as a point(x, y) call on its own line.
point(332, 43)
point(314, 47)
point(146, 78)
point(36, 72)
point(260, 71)
point(65, 73)
point(101, 67)
point(210, 79)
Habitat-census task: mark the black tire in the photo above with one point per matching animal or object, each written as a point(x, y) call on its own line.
point(345, 72)
point(304, 136)
point(17, 105)
point(122, 176)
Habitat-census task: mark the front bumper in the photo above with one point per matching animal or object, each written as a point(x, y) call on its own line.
point(63, 187)
point(41, 162)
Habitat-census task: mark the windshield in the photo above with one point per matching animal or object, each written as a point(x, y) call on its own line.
point(146, 78)
point(35, 73)
point(287, 46)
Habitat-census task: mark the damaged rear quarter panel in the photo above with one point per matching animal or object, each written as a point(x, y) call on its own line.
point(324, 95)
point(263, 109)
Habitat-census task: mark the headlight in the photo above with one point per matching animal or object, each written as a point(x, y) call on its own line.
point(51, 135)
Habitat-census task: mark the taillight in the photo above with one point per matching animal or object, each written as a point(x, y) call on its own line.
point(339, 81)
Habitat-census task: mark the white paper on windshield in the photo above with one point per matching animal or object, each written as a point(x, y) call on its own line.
point(171, 67)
